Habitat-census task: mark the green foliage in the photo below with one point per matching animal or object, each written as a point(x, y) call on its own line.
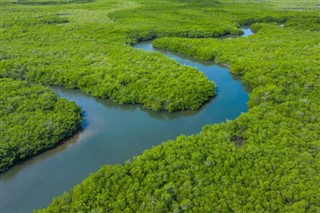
point(53, 20)
point(33, 119)
point(92, 57)
point(305, 23)
point(202, 173)
point(48, 2)
point(292, 5)
point(267, 160)
point(84, 46)
point(159, 85)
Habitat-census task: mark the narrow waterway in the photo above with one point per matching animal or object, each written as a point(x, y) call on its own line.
point(246, 31)
point(112, 134)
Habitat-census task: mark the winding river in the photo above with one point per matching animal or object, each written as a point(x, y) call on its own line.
point(113, 134)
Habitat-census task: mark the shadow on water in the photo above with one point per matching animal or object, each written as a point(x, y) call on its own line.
point(84, 122)
point(63, 145)
point(107, 103)
point(112, 134)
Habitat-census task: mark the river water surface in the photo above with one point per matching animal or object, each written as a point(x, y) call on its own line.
point(112, 134)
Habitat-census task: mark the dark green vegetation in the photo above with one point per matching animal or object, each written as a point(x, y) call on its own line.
point(267, 160)
point(33, 119)
point(83, 46)
point(80, 46)
point(48, 2)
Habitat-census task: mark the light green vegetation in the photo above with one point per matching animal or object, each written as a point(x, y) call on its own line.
point(294, 4)
point(267, 160)
point(85, 46)
point(82, 46)
point(298, 5)
point(47, 2)
point(33, 119)
point(279, 137)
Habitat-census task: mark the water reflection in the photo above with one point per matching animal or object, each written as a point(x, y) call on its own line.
point(42, 156)
point(112, 134)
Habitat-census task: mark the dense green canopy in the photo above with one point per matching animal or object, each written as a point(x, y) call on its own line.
point(82, 46)
point(267, 160)
point(33, 118)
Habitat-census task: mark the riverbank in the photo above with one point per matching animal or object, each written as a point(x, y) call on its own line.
point(113, 134)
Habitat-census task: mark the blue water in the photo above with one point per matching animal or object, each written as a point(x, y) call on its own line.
point(112, 134)
point(246, 31)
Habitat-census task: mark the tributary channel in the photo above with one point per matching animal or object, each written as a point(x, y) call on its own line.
point(112, 134)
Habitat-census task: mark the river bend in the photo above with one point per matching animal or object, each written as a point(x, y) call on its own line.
point(113, 134)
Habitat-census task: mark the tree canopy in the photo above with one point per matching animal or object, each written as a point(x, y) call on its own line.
point(33, 119)
point(266, 160)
